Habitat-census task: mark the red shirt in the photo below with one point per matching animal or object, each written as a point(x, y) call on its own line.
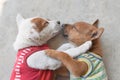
point(22, 71)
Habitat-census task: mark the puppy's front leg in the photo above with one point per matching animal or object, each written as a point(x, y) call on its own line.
point(74, 52)
point(75, 67)
point(65, 47)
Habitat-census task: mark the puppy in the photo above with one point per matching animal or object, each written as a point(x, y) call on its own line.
point(89, 65)
point(32, 63)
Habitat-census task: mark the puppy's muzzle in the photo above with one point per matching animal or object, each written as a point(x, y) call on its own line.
point(63, 30)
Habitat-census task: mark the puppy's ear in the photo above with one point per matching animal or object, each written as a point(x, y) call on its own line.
point(97, 34)
point(19, 19)
point(96, 23)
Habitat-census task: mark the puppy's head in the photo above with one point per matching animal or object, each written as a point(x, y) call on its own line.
point(81, 32)
point(36, 31)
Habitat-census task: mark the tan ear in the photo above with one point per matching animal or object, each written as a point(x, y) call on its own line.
point(97, 34)
point(96, 23)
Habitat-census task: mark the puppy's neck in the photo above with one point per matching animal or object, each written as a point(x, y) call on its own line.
point(96, 47)
point(23, 43)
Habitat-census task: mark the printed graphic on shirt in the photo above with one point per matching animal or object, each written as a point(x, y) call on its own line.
point(96, 69)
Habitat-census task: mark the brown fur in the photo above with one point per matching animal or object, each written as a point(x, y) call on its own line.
point(68, 61)
point(84, 33)
point(40, 24)
point(79, 33)
point(62, 71)
point(96, 23)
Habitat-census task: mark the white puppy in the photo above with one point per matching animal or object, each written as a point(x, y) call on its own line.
point(36, 32)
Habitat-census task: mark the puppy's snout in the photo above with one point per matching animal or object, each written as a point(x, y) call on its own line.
point(64, 30)
point(58, 22)
point(64, 25)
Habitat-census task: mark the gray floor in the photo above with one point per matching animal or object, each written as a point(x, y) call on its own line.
point(108, 11)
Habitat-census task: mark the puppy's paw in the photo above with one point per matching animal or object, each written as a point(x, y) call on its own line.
point(88, 43)
point(52, 53)
point(49, 52)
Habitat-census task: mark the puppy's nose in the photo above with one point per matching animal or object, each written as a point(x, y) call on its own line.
point(58, 22)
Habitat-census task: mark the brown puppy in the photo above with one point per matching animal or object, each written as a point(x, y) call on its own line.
point(79, 33)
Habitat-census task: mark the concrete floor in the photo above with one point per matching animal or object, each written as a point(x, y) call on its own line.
point(108, 11)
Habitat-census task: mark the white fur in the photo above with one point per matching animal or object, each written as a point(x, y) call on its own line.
point(66, 46)
point(76, 51)
point(26, 39)
point(39, 60)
